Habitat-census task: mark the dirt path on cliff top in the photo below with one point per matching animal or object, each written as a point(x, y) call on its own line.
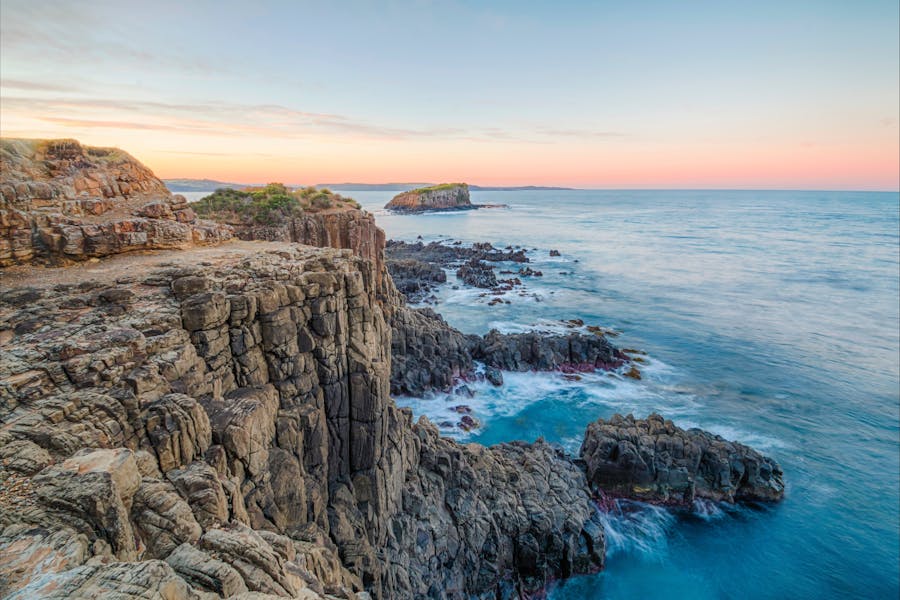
point(131, 264)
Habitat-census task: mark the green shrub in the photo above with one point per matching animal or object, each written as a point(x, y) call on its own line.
point(267, 205)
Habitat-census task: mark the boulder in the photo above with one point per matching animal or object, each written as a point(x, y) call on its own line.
point(97, 488)
point(653, 460)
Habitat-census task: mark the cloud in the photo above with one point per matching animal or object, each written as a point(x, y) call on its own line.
point(34, 86)
point(262, 154)
point(581, 133)
point(226, 119)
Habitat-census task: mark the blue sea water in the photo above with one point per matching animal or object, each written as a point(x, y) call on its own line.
point(769, 317)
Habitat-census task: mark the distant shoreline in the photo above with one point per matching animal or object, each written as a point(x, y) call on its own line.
point(210, 185)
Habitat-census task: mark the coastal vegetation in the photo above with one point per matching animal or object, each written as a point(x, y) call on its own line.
point(437, 188)
point(269, 204)
point(444, 196)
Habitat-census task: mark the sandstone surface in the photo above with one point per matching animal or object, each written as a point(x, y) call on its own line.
point(62, 202)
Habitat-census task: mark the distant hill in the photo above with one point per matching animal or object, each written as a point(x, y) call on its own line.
point(211, 185)
point(515, 188)
point(403, 187)
point(198, 185)
point(372, 187)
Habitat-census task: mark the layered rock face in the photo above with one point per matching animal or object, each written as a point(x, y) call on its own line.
point(448, 196)
point(652, 459)
point(61, 201)
point(351, 229)
point(227, 427)
point(217, 423)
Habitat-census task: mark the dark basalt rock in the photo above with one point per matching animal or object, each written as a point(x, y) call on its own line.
point(448, 255)
point(653, 460)
point(477, 274)
point(234, 432)
point(414, 278)
point(543, 352)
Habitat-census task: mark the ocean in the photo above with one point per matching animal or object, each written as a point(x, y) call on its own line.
point(771, 318)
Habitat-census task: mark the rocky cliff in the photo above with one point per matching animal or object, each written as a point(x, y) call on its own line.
point(218, 423)
point(447, 196)
point(348, 228)
point(228, 427)
point(62, 202)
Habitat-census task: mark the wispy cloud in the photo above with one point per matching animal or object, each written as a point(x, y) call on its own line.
point(34, 86)
point(581, 133)
point(224, 119)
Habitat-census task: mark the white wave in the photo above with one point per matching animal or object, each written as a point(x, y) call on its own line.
point(707, 510)
point(637, 528)
point(753, 439)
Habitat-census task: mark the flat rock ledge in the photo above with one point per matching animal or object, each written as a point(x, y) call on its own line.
point(653, 460)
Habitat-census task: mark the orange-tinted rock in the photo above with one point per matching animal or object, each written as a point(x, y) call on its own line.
point(61, 201)
point(448, 196)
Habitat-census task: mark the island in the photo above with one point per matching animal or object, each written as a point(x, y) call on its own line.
point(445, 196)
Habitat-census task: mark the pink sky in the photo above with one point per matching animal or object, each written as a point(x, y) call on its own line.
point(585, 95)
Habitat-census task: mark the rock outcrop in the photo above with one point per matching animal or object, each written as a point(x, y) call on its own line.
point(447, 196)
point(415, 279)
point(349, 228)
point(653, 460)
point(427, 354)
point(226, 427)
point(61, 202)
point(218, 422)
point(447, 255)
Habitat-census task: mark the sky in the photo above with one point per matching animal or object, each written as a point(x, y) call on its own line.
point(720, 94)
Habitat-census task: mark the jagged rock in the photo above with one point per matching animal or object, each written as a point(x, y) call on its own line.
point(199, 483)
point(24, 456)
point(348, 228)
point(259, 565)
point(28, 552)
point(444, 255)
point(96, 486)
point(477, 274)
point(415, 279)
point(310, 480)
point(652, 459)
point(178, 429)
point(61, 201)
point(427, 353)
point(542, 352)
point(145, 579)
point(162, 518)
point(244, 424)
point(494, 376)
point(203, 571)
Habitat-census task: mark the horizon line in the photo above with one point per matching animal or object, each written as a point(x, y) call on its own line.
point(561, 187)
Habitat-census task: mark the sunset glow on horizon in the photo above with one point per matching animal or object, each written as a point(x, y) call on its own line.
point(594, 95)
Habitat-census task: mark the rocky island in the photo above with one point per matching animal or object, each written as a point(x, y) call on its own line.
point(446, 196)
point(201, 408)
